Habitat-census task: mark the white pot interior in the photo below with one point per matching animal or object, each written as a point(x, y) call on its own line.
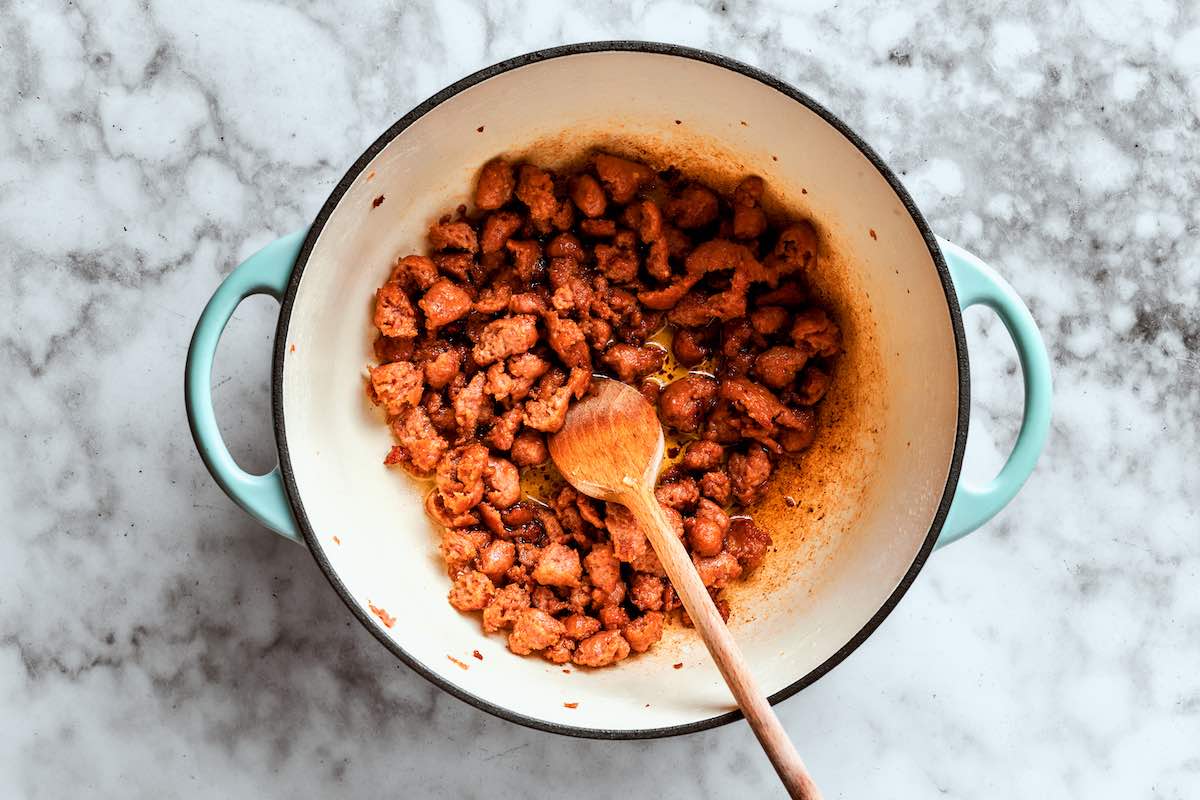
point(866, 493)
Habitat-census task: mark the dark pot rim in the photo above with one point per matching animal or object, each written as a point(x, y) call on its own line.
point(395, 130)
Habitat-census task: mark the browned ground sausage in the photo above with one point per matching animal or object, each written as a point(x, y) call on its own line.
point(447, 235)
point(422, 445)
point(749, 221)
point(815, 331)
point(706, 530)
point(747, 542)
point(598, 228)
point(645, 218)
point(445, 302)
point(497, 558)
point(534, 629)
point(601, 649)
point(580, 626)
point(567, 340)
point(688, 347)
point(679, 494)
point(646, 591)
point(529, 449)
point(502, 611)
point(768, 319)
point(717, 571)
point(460, 477)
point(603, 568)
point(507, 336)
point(486, 341)
point(588, 195)
point(495, 185)
point(748, 473)
point(398, 385)
point(683, 403)
point(527, 259)
point(796, 247)
point(416, 272)
point(558, 566)
point(694, 207)
point(621, 177)
point(777, 367)
point(502, 482)
point(565, 245)
point(472, 591)
point(394, 313)
point(814, 383)
point(613, 617)
point(644, 631)
point(630, 363)
point(535, 188)
point(497, 229)
point(717, 486)
point(702, 456)
point(801, 432)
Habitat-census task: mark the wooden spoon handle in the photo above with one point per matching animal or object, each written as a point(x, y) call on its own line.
point(700, 607)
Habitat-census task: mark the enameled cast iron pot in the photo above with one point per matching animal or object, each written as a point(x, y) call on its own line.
point(854, 521)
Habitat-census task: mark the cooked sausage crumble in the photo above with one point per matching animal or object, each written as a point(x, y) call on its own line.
point(486, 341)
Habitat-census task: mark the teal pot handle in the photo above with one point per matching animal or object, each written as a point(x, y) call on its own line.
point(263, 496)
point(976, 283)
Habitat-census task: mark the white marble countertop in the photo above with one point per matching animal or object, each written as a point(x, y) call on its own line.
point(155, 642)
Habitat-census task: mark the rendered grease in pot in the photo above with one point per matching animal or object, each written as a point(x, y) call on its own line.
point(486, 341)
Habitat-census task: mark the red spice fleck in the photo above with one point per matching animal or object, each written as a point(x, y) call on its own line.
point(293, 347)
point(394, 456)
point(377, 202)
point(336, 540)
point(571, 705)
point(872, 232)
point(743, 122)
point(678, 666)
point(479, 129)
point(387, 619)
point(678, 122)
point(566, 672)
point(477, 654)
point(647, 705)
point(803, 190)
point(456, 661)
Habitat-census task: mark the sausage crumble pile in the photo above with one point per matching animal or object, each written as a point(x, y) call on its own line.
point(485, 343)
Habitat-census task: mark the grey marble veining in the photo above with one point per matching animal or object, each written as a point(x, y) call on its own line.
point(155, 642)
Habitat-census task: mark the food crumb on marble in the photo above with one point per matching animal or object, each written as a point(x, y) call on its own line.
point(459, 663)
point(570, 705)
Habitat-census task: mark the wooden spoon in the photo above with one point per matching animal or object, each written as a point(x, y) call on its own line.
point(610, 448)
